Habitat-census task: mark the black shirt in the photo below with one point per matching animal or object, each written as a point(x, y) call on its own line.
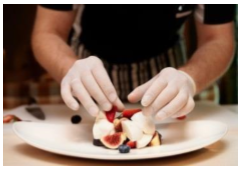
point(128, 33)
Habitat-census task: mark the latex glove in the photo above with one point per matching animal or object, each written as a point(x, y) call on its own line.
point(85, 79)
point(168, 94)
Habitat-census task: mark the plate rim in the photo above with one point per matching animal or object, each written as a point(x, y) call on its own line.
point(117, 158)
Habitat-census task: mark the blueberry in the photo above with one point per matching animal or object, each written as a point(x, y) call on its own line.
point(76, 119)
point(124, 149)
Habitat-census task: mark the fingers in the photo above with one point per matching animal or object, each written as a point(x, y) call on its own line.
point(175, 105)
point(186, 109)
point(104, 82)
point(167, 95)
point(68, 97)
point(81, 93)
point(88, 79)
point(95, 91)
point(106, 86)
point(137, 94)
point(119, 105)
point(153, 91)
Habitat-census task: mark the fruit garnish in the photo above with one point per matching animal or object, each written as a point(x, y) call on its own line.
point(128, 113)
point(181, 117)
point(144, 141)
point(132, 131)
point(110, 115)
point(102, 128)
point(156, 140)
point(10, 118)
point(131, 144)
point(118, 125)
point(113, 141)
point(76, 119)
point(144, 122)
point(97, 142)
point(124, 149)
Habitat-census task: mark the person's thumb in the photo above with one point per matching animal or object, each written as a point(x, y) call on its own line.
point(137, 94)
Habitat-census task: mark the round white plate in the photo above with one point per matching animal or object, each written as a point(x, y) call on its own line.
point(76, 140)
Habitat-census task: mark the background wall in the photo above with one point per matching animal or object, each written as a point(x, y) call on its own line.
point(17, 25)
point(24, 78)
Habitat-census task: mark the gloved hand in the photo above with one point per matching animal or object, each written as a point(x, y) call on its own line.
point(168, 94)
point(85, 79)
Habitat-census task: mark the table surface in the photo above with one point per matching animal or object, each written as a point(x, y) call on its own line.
point(223, 152)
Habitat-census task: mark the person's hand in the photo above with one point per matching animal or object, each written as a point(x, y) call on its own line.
point(88, 79)
point(168, 94)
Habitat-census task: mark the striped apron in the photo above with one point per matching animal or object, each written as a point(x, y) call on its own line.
point(126, 77)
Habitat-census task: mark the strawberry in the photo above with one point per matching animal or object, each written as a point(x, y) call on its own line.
point(128, 113)
point(131, 144)
point(110, 115)
point(181, 117)
point(10, 118)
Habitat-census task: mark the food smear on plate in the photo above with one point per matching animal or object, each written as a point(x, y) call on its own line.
point(127, 130)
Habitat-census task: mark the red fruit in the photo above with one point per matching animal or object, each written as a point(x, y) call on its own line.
point(118, 125)
point(128, 113)
point(131, 144)
point(110, 115)
point(10, 118)
point(181, 117)
point(113, 141)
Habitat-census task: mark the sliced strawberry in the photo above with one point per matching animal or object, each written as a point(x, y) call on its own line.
point(10, 118)
point(128, 113)
point(181, 117)
point(110, 115)
point(131, 144)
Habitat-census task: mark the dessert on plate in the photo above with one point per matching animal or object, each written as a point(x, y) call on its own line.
point(127, 130)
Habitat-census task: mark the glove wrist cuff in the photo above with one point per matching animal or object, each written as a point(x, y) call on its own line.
point(191, 80)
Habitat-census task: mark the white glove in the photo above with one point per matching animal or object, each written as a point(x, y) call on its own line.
point(168, 94)
point(85, 79)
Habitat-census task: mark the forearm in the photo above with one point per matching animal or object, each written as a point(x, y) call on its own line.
point(209, 62)
point(53, 53)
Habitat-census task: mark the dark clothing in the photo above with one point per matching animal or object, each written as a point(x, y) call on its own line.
point(131, 33)
point(136, 42)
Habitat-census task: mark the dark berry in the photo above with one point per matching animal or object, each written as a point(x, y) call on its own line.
point(97, 142)
point(76, 119)
point(124, 149)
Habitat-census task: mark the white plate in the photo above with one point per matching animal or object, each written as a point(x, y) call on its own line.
point(76, 140)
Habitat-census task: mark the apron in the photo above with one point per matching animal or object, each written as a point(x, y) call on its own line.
point(126, 77)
